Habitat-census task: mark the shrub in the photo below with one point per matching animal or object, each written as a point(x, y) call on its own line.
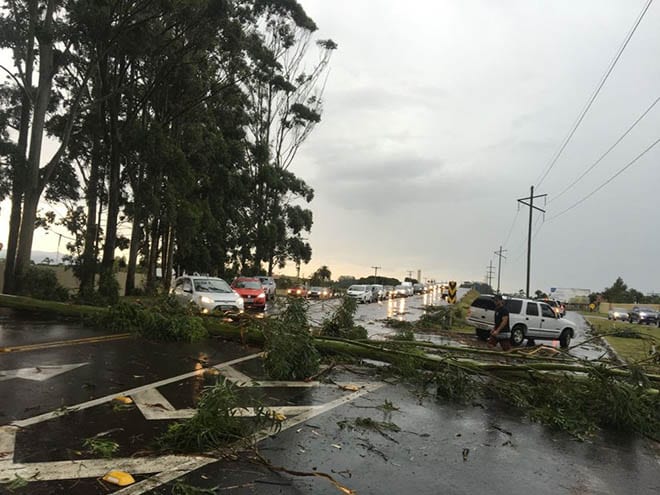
point(340, 323)
point(166, 321)
point(290, 351)
point(41, 283)
point(215, 424)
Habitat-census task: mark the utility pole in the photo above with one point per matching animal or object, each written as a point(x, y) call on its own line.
point(529, 201)
point(489, 273)
point(410, 273)
point(499, 266)
point(376, 268)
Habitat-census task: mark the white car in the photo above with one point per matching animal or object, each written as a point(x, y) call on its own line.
point(617, 314)
point(528, 319)
point(269, 285)
point(209, 294)
point(362, 293)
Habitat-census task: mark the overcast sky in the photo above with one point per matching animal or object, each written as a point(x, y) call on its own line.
point(439, 115)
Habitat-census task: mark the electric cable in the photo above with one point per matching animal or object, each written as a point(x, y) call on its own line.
point(634, 124)
point(594, 95)
point(626, 167)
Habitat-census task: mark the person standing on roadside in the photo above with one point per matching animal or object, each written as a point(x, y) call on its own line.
point(501, 330)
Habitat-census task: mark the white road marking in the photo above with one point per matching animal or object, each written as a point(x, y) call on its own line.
point(102, 400)
point(235, 376)
point(94, 468)
point(38, 373)
point(167, 476)
point(7, 443)
point(154, 406)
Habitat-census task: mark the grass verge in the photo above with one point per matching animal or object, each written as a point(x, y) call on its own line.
point(634, 343)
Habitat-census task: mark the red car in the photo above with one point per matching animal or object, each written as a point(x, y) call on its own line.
point(252, 292)
point(297, 291)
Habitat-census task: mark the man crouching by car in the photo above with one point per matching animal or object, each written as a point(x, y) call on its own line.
point(501, 330)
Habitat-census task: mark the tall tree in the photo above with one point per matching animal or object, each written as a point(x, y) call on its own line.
point(286, 104)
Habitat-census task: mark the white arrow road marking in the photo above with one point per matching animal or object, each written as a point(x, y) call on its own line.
point(168, 475)
point(102, 400)
point(154, 406)
point(38, 373)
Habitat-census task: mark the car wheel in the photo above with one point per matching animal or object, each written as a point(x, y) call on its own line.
point(517, 335)
point(565, 338)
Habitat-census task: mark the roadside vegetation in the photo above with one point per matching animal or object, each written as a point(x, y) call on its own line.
point(553, 388)
point(217, 422)
point(636, 344)
point(164, 319)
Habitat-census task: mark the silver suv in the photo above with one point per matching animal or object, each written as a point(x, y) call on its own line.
point(268, 283)
point(528, 319)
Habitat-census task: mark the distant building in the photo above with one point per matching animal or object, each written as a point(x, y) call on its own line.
point(570, 295)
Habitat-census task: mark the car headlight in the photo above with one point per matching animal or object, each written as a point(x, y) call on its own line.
point(239, 302)
point(261, 296)
point(205, 300)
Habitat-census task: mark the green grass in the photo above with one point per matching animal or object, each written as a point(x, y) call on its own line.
point(631, 349)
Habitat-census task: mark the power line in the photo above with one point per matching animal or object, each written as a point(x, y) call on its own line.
point(595, 94)
point(634, 124)
point(513, 224)
point(626, 167)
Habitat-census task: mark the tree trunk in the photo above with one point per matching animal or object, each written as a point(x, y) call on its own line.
point(89, 260)
point(113, 192)
point(167, 268)
point(19, 163)
point(153, 255)
point(136, 238)
point(32, 186)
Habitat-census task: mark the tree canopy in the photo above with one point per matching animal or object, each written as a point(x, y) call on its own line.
point(177, 123)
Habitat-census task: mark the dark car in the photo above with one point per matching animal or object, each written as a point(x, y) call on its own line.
point(319, 293)
point(642, 315)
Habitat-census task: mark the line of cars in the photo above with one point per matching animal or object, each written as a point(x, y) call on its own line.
point(638, 314)
point(368, 293)
point(215, 295)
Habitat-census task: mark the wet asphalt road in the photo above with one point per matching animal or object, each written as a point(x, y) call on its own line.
point(440, 449)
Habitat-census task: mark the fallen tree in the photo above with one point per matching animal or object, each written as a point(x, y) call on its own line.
point(559, 390)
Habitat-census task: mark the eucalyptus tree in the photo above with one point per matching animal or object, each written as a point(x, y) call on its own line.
point(286, 104)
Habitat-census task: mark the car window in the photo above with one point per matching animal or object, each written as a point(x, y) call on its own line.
point(484, 303)
point(547, 311)
point(248, 284)
point(532, 309)
point(514, 305)
point(211, 285)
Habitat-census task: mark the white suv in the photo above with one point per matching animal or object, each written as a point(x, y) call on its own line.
point(527, 319)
